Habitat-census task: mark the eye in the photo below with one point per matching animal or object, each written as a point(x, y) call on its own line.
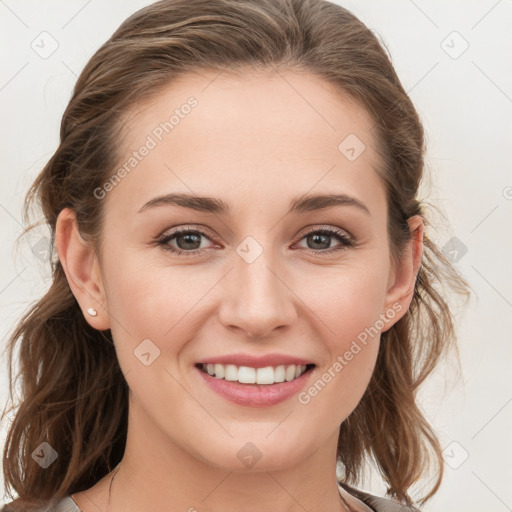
point(188, 241)
point(320, 240)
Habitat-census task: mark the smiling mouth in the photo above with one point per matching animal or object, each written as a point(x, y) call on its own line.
point(249, 375)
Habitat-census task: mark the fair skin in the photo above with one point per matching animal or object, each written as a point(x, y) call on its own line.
point(255, 143)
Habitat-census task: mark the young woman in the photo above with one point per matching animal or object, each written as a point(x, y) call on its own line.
point(244, 297)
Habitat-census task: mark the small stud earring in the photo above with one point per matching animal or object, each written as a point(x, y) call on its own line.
point(92, 312)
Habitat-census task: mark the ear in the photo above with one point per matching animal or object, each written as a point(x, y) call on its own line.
point(404, 272)
point(81, 266)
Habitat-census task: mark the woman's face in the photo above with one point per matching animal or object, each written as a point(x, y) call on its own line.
point(260, 277)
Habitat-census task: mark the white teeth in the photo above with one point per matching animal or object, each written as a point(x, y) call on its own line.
point(265, 375)
point(248, 375)
point(219, 371)
point(231, 372)
point(290, 373)
point(279, 373)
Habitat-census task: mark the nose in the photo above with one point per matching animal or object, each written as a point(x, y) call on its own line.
point(257, 300)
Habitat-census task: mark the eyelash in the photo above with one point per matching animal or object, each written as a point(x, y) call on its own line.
point(346, 241)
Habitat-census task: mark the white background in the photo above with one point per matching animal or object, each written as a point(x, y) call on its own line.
point(466, 106)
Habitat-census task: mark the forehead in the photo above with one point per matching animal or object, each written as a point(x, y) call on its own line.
point(268, 133)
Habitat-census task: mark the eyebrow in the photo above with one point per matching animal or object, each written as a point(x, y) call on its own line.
point(301, 204)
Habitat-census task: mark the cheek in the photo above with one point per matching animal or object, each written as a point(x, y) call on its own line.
point(141, 290)
point(148, 300)
point(347, 299)
point(349, 306)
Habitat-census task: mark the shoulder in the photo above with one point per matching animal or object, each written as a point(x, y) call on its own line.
point(65, 504)
point(377, 503)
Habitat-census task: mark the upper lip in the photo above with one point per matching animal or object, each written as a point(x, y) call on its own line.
point(256, 361)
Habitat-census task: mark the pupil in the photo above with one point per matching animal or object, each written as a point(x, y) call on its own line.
point(189, 239)
point(318, 239)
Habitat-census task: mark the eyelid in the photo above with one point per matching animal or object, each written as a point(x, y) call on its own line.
point(176, 230)
point(171, 233)
point(313, 228)
point(346, 239)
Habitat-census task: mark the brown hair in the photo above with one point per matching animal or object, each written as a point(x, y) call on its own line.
point(70, 377)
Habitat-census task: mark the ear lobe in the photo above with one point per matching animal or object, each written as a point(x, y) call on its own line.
point(401, 290)
point(81, 267)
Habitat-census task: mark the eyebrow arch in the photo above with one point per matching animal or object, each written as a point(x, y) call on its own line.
point(302, 204)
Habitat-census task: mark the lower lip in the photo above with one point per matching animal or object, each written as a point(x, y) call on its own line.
point(255, 395)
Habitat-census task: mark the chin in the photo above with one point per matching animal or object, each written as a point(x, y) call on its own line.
point(251, 456)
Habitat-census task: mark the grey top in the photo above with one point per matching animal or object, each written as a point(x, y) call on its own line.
point(66, 504)
point(375, 504)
